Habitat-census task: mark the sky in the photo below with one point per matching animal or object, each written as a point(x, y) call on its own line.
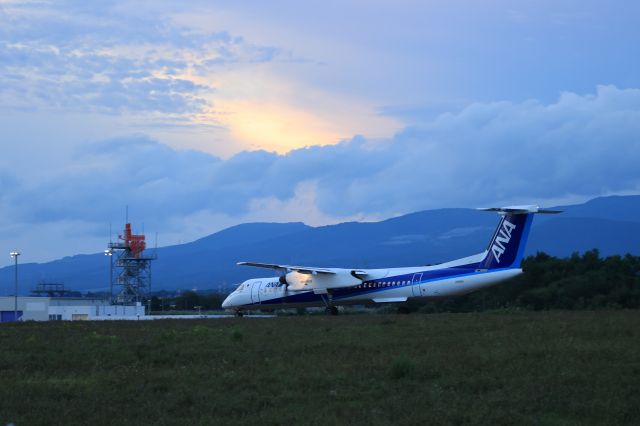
point(202, 115)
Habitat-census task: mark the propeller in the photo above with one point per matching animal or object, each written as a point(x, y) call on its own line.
point(283, 280)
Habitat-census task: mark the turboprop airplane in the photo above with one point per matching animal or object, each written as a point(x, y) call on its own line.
point(304, 286)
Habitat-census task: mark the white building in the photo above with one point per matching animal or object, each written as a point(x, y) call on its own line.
point(66, 309)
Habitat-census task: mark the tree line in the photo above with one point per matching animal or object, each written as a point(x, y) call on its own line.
point(585, 281)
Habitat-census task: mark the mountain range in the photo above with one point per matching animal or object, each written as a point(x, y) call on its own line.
point(609, 224)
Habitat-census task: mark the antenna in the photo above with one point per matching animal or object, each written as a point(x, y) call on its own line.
point(126, 214)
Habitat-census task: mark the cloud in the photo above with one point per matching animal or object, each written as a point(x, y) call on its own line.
point(110, 58)
point(134, 64)
point(342, 111)
point(579, 146)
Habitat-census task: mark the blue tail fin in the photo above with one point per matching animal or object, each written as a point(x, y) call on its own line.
point(507, 245)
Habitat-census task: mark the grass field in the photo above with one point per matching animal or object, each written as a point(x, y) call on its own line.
point(485, 368)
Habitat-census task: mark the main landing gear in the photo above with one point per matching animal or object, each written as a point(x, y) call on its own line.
point(239, 314)
point(330, 309)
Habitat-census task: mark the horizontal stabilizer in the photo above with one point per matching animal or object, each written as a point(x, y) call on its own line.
point(520, 210)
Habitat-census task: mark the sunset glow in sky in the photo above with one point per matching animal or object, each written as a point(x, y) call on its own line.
point(206, 114)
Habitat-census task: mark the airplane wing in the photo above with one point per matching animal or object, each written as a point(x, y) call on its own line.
point(289, 268)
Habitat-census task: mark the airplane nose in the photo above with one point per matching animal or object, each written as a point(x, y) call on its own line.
point(226, 303)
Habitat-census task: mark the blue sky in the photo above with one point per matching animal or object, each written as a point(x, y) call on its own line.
point(202, 115)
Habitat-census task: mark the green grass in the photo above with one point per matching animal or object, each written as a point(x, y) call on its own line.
point(488, 368)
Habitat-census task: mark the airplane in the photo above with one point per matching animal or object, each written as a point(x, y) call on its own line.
point(303, 286)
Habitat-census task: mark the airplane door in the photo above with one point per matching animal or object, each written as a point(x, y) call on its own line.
point(416, 284)
point(255, 292)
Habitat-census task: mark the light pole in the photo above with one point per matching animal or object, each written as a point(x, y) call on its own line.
point(109, 252)
point(14, 254)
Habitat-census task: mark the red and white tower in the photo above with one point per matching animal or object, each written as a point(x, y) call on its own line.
point(134, 265)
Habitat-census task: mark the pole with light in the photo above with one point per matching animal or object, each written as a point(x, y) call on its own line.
point(109, 252)
point(14, 254)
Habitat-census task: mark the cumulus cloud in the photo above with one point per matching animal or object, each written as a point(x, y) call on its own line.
point(578, 146)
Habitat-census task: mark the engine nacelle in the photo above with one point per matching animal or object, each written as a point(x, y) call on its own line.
point(297, 281)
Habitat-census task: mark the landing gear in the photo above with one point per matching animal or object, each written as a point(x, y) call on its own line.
point(332, 310)
point(239, 314)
